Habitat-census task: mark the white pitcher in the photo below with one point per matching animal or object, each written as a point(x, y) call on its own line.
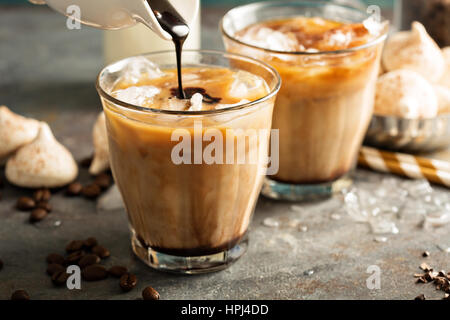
point(119, 14)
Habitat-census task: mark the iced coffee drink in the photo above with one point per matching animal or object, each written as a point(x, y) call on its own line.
point(177, 164)
point(328, 58)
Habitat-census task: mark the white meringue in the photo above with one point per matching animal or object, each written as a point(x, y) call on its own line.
point(445, 80)
point(414, 50)
point(406, 94)
point(100, 162)
point(15, 131)
point(443, 98)
point(42, 163)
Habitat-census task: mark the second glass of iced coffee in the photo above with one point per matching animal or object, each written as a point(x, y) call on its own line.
point(328, 58)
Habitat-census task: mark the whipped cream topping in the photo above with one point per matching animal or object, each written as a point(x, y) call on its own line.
point(406, 94)
point(445, 80)
point(443, 98)
point(414, 50)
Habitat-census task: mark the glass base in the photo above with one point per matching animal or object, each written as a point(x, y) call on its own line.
point(303, 192)
point(188, 265)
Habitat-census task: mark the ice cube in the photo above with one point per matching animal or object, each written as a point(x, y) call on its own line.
point(196, 102)
point(139, 96)
point(271, 39)
point(139, 67)
point(246, 84)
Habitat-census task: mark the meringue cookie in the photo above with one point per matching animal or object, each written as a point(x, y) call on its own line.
point(15, 131)
point(445, 80)
point(42, 163)
point(406, 94)
point(100, 162)
point(414, 50)
point(443, 98)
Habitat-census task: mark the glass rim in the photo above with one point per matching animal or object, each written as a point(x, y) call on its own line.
point(246, 105)
point(258, 5)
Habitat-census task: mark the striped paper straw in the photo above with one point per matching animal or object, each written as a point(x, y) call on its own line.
point(435, 171)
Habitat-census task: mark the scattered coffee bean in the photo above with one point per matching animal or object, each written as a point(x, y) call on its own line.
point(420, 297)
point(55, 258)
point(75, 257)
point(74, 245)
point(128, 281)
point(44, 205)
point(422, 280)
point(52, 268)
point(59, 278)
point(150, 294)
point(442, 274)
point(74, 189)
point(20, 295)
point(101, 251)
point(425, 254)
point(37, 215)
point(1, 264)
point(91, 191)
point(42, 195)
point(86, 162)
point(94, 272)
point(117, 271)
point(90, 242)
point(103, 180)
point(88, 260)
point(25, 204)
point(425, 267)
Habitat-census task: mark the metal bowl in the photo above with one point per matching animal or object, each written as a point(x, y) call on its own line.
point(409, 135)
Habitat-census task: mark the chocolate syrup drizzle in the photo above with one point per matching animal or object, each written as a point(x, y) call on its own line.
point(172, 22)
point(190, 91)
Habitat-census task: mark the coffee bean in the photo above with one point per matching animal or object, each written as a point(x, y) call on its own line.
point(25, 204)
point(117, 271)
point(88, 260)
point(42, 195)
point(75, 257)
point(94, 272)
point(90, 242)
point(91, 191)
point(420, 297)
point(128, 281)
point(74, 189)
point(74, 245)
point(44, 205)
point(53, 268)
point(101, 251)
point(55, 258)
point(59, 278)
point(150, 294)
point(20, 295)
point(37, 215)
point(103, 180)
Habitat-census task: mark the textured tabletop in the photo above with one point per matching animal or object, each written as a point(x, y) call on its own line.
point(297, 251)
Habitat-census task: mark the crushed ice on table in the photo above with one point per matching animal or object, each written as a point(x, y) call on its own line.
point(393, 200)
point(138, 67)
point(308, 272)
point(285, 222)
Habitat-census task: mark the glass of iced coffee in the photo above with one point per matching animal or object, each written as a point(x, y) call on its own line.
point(189, 170)
point(328, 58)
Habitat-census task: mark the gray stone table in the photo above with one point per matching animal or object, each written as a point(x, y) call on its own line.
point(48, 72)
